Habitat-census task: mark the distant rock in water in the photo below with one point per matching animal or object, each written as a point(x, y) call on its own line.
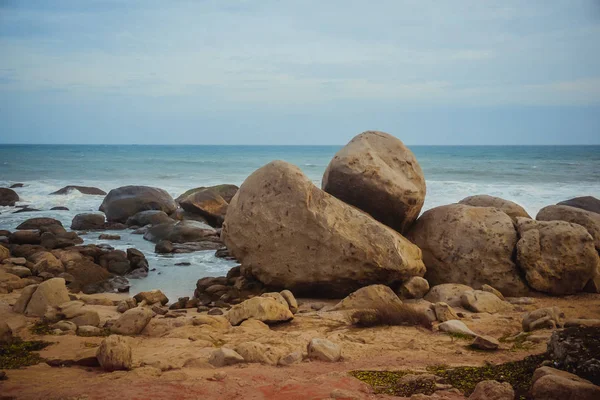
point(181, 232)
point(469, 245)
point(150, 217)
point(82, 189)
point(588, 203)
point(59, 208)
point(37, 223)
point(16, 185)
point(288, 233)
point(8, 197)
point(126, 201)
point(25, 209)
point(378, 174)
point(513, 210)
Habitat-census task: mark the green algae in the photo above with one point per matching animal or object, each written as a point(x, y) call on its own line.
point(41, 328)
point(517, 373)
point(21, 354)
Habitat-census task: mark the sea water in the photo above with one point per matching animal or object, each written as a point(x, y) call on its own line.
point(532, 176)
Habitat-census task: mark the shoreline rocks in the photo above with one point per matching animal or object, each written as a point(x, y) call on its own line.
point(289, 234)
point(82, 189)
point(378, 174)
point(126, 201)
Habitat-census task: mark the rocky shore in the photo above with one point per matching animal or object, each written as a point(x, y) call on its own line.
point(346, 292)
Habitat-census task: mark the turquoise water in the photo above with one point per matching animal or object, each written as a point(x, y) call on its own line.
point(533, 176)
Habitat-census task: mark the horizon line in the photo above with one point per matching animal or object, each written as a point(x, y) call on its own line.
point(289, 145)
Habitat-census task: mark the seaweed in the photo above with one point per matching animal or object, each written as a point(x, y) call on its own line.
point(21, 353)
point(517, 373)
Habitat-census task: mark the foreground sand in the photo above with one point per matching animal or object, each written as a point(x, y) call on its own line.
point(174, 365)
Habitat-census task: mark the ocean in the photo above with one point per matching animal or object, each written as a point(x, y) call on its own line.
point(533, 176)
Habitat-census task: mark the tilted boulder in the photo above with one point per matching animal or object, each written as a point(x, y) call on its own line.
point(52, 292)
point(208, 204)
point(372, 296)
point(512, 209)
point(378, 174)
point(289, 234)
point(123, 202)
point(588, 203)
point(132, 321)
point(226, 191)
point(558, 257)
point(589, 220)
point(469, 245)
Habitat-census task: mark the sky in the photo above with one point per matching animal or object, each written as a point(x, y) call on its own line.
point(432, 72)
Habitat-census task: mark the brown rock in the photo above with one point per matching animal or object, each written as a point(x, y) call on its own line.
point(23, 300)
point(8, 197)
point(542, 318)
point(150, 217)
point(414, 288)
point(378, 174)
point(123, 202)
point(37, 223)
point(493, 390)
point(588, 203)
point(469, 245)
point(449, 293)
point(52, 292)
point(479, 301)
point(44, 261)
point(369, 297)
point(288, 233)
point(558, 257)
point(588, 219)
point(207, 203)
point(4, 253)
point(152, 297)
point(88, 221)
point(513, 210)
point(82, 189)
point(483, 342)
point(552, 384)
point(114, 354)
point(263, 309)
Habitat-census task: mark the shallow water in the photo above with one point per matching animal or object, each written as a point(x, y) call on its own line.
point(533, 176)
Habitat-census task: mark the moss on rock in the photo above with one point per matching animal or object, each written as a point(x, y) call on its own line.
point(21, 354)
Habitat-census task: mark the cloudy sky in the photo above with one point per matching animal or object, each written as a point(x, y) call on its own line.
point(299, 71)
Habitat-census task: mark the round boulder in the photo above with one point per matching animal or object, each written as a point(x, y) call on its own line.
point(114, 354)
point(469, 245)
point(8, 197)
point(37, 223)
point(290, 234)
point(378, 174)
point(123, 202)
point(558, 257)
point(513, 210)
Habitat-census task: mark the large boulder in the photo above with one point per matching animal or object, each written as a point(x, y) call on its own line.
point(85, 272)
point(558, 257)
point(265, 309)
point(114, 354)
point(288, 233)
point(44, 261)
point(588, 203)
point(52, 292)
point(8, 197)
point(37, 223)
point(378, 174)
point(589, 220)
point(469, 245)
point(513, 210)
point(82, 189)
point(125, 201)
point(186, 231)
point(208, 204)
point(88, 221)
point(150, 217)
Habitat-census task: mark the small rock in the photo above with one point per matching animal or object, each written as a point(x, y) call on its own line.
point(215, 311)
point(15, 261)
point(89, 331)
point(114, 354)
point(65, 326)
point(151, 297)
point(455, 326)
point(292, 358)
point(483, 342)
point(548, 317)
point(219, 376)
point(324, 350)
point(106, 236)
point(414, 288)
point(479, 301)
point(493, 390)
point(521, 301)
point(444, 312)
point(263, 309)
point(489, 289)
point(52, 292)
point(291, 300)
point(132, 321)
point(344, 395)
point(223, 357)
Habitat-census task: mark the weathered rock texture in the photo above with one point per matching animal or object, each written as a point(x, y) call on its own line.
point(377, 173)
point(114, 354)
point(469, 245)
point(513, 210)
point(558, 257)
point(589, 220)
point(289, 234)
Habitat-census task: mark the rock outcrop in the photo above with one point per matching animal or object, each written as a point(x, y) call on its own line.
point(557, 257)
point(125, 201)
point(378, 174)
point(513, 210)
point(469, 245)
point(289, 234)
